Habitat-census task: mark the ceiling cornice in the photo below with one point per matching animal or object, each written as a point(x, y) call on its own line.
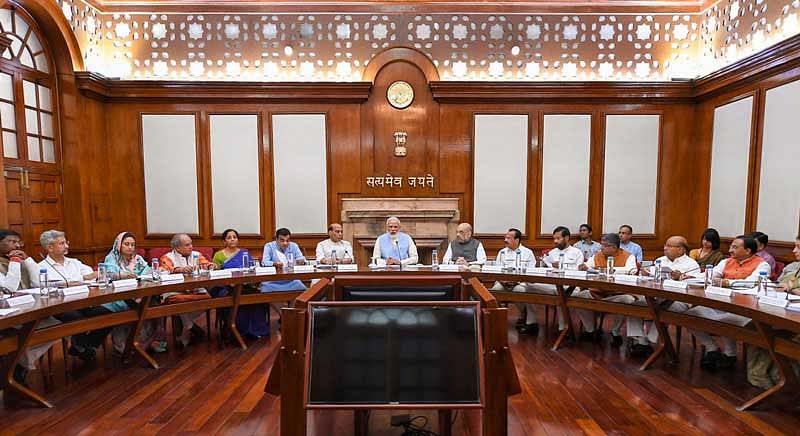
point(404, 6)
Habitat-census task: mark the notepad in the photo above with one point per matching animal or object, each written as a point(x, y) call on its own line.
point(492, 269)
point(32, 291)
point(716, 290)
point(19, 301)
point(5, 312)
point(266, 270)
point(449, 267)
point(75, 290)
point(746, 291)
point(303, 269)
point(538, 271)
point(347, 267)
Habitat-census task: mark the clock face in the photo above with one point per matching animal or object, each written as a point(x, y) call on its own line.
point(400, 94)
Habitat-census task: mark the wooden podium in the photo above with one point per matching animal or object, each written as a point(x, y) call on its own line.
point(287, 377)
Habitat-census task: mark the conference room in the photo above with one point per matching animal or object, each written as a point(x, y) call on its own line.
point(399, 217)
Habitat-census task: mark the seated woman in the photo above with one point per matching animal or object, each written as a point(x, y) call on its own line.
point(708, 253)
point(761, 370)
point(122, 262)
point(251, 320)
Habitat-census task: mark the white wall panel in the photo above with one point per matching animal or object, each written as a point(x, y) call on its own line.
point(299, 152)
point(170, 173)
point(565, 171)
point(631, 172)
point(779, 189)
point(234, 173)
point(730, 152)
point(501, 172)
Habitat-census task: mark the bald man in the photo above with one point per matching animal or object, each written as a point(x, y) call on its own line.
point(465, 250)
point(334, 244)
point(395, 246)
point(680, 266)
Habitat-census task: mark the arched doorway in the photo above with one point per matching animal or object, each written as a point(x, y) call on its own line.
point(29, 128)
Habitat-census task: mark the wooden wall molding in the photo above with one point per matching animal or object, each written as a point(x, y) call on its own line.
point(777, 58)
point(558, 92)
point(101, 88)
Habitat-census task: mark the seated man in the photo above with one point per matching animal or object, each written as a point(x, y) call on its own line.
point(61, 268)
point(763, 240)
point(624, 263)
point(465, 249)
point(334, 243)
point(19, 271)
point(395, 246)
point(680, 266)
point(181, 261)
point(507, 256)
point(743, 266)
point(561, 251)
point(625, 234)
point(588, 247)
point(277, 254)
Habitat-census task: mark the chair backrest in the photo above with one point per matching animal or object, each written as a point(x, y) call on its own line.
point(779, 266)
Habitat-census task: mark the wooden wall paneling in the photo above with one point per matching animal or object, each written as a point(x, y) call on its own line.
point(269, 180)
point(205, 200)
point(754, 163)
point(345, 156)
point(596, 174)
point(533, 210)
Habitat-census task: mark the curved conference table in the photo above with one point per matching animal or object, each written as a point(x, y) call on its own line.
point(767, 319)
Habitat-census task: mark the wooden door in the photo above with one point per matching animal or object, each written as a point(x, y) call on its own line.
point(33, 204)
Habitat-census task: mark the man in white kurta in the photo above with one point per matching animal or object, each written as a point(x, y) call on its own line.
point(679, 265)
point(396, 247)
point(561, 256)
point(742, 268)
point(334, 244)
point(507, 258)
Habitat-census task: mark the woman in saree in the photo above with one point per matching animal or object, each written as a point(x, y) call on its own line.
point(251, 320)
point(122, 262)
point(708, 253)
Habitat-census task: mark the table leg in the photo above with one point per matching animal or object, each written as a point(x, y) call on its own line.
point(445, 419)
point(785, 371)
point(237, 293)
point(665, 342)
point(134, 343)
point(568, 329)
point(24, 339)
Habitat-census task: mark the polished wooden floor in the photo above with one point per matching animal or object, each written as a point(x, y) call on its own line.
point(582, 388)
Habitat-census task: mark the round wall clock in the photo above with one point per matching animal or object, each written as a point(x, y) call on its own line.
point(400, 94)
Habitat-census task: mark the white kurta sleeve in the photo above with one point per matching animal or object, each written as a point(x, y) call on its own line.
point(413, 256)
point(448, 254)
point(11, 279)
point(320, 252)
point(376, 252)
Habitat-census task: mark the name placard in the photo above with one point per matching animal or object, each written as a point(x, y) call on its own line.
point(774, 301)
point(538, 271)
point(303, 268)
point(716, 290)
point(75, 290)
point(172, 278)
point(626, 278)
point(449, 267)
point(266, 270)
point(492, 269)
point(220, 273)
point(5, 312)
point(675, 284)
point(347, 267)
point(746, 291)
point(22, 299)
point(575, 274)
point(125, 283)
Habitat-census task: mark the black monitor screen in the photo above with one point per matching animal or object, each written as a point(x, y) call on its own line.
point(394, 355)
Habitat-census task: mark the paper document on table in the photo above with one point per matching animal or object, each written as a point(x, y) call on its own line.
point(32, 291)
point(746, 291)
point(716, 290)
point(4, 312)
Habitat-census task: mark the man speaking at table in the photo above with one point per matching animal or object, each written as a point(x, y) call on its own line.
point(395, 246)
